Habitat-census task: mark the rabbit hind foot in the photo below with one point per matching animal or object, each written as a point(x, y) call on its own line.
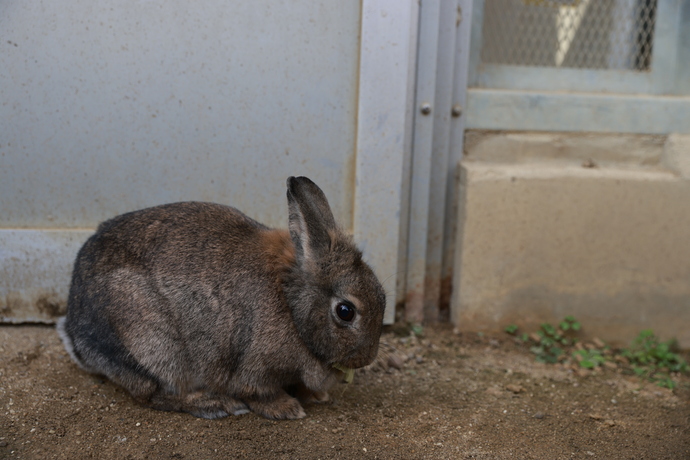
point(199, 404)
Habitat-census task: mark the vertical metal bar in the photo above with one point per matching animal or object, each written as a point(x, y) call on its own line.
point(439, 156)
point(401, 285)
point(682, 85)
point(665, 46)
point(465, 49)
point(429, 15)
point(473, 17)
point(381, 122)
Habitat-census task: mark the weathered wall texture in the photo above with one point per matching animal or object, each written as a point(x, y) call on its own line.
point(107, 108)
point(35, 270)
point(595, 226)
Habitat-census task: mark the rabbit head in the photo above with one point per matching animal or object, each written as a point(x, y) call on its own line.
point(337, 303)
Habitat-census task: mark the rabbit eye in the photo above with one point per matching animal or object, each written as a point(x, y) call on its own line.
point(345, 311)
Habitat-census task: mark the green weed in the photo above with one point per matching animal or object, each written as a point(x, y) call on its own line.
point(655, 360)
point(648, 357)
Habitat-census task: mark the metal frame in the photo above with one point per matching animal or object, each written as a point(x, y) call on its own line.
point(581, 112)
point(515, 98)
point(557, 99)
point(457, 139)
point(659, 80)
point(420, 184)
point(383, 119)
point(442, 71)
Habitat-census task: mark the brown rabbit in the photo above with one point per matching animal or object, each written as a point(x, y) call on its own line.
point(196, 307)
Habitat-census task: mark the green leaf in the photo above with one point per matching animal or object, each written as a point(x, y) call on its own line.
point(511, 329)
point(639, 371)
point(551, 359)
point(666, 383)
point(549, 329)
point(587, 364)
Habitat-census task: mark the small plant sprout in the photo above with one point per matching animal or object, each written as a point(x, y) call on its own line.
point(589, 359)
point(655, 360)
point(648, 357)
point(569, 323)
point(511, 329)
point(418, 330)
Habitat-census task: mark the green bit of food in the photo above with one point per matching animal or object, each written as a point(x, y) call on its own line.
point(349, 372)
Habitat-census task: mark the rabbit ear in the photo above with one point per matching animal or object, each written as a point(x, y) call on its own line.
point(311, 221)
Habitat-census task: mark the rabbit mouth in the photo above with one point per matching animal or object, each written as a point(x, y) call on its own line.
point(349, 373)
point(354, 362)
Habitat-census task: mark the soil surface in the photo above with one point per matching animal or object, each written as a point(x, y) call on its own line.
point(454, 396)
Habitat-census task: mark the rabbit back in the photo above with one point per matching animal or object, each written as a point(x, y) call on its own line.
point(150, 289)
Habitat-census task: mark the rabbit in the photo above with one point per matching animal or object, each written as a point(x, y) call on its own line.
point(195, 307)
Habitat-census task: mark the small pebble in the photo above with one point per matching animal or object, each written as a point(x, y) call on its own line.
point(514, 388)
point(583, 372)
point(494, 391)
point(3, 443)
point(610, 365)
point(539, 415)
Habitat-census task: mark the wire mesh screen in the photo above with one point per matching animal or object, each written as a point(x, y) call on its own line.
point(585, 34)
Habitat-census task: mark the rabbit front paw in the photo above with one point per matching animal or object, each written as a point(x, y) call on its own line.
point(307, 396)
point(282, 407)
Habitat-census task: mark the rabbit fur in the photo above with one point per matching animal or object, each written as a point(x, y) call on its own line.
point(196, 307)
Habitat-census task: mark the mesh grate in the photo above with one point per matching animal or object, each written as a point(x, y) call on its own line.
point(586, 34)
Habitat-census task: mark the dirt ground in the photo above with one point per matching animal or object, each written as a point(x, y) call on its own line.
point(455, 397)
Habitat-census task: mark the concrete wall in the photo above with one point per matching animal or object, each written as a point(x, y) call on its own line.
point(595, 226)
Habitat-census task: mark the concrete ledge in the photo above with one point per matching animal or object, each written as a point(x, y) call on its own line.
point(35, 271)
point(541, 240)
